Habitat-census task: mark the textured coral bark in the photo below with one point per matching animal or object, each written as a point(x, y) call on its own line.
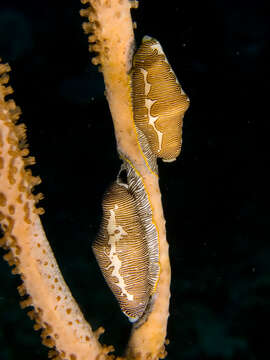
point(112, 34)
point(54, 309)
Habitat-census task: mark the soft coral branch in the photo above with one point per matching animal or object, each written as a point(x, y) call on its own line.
point(112, 38)
point(53, 307)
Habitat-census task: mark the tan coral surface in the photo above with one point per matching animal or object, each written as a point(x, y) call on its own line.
point(111, 34)
point(54, 309)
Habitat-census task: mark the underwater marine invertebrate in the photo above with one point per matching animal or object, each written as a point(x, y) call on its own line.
point(159, 103)
point(122, 252)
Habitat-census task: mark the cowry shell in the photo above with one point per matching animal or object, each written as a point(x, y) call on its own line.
point(159, 103)
point(122, 249)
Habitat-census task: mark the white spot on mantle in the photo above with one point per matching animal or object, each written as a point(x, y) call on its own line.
point(115, 233)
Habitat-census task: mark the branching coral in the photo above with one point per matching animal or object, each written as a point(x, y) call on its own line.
point(43, 287)
point(54, 310)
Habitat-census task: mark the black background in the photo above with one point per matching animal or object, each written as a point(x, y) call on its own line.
point(219, 246)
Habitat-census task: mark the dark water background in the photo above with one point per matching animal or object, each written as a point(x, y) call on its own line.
point(219, 243)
